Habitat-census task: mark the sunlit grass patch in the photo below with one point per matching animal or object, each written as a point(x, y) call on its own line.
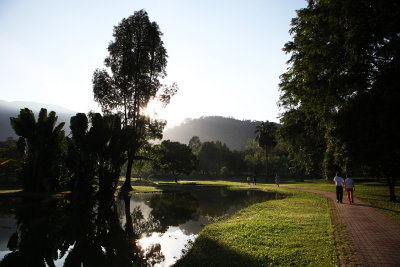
point(22, 193)
point(292, 231)
point(145, 189)
point(372, 191)
point(10, 191)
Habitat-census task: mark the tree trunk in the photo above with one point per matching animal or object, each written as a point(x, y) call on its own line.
point(266, 163)
point(392, 193)
point(127, 187)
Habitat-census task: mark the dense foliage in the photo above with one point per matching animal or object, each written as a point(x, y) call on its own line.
point(340, 90)
point(174, 158)
point(96, 152)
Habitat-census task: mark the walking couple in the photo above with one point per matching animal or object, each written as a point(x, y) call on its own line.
point(348, 184)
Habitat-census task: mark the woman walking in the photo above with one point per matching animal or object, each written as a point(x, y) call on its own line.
point(350, 188)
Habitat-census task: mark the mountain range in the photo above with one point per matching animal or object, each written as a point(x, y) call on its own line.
point(11, 109)
point(234, 133)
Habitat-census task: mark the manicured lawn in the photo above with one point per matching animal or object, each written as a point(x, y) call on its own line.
point(295, 231)
point(373, 192)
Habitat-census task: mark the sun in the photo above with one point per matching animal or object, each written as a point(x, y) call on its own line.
point(153, 109)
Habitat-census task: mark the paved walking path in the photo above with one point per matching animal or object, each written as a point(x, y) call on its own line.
point(376, 238)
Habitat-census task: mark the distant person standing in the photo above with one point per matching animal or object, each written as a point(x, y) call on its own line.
point(248, 179)
point(350, 188)
point(339, 181)
point(277, 179)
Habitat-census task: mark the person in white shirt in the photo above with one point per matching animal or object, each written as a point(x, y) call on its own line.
point(339, 181)
point(277, 179)
point(350, 188)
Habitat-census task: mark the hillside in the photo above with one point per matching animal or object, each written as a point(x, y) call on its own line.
point(234, 133)
point(11, 109)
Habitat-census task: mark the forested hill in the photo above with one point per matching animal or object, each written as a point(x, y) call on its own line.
point(234, 133)
point(11, 109)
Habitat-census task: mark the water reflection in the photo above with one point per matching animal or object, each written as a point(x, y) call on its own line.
point(142, 230)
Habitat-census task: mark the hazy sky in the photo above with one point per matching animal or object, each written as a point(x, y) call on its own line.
point(226, 56)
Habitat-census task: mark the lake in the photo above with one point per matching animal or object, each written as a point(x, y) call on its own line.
point(148, 229)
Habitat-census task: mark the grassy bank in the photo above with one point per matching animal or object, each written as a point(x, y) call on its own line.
point(297, 230)
point(375, 193)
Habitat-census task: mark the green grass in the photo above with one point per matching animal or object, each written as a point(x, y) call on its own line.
point(374, 193)
point(297, 230)
point(9, 191)
point(21, 193)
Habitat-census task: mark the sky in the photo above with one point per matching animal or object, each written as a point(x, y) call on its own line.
point(225, 55)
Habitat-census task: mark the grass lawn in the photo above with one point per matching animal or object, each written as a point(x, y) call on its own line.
point(374, 193)
point(296, 230)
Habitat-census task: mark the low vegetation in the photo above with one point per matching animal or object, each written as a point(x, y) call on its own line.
point(297, 230)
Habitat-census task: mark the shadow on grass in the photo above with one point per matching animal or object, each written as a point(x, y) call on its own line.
point(376, 207)
point(208, 252)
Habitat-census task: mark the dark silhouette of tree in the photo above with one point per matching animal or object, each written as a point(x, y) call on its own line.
point(266, 138)
point(344, 55)
point(174, 158)
point(82, 160)
point(44, 148)
point(97, 152)
point(136, 63)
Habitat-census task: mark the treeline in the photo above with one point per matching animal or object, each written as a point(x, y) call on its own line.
point(263, 158)
point(94, 156)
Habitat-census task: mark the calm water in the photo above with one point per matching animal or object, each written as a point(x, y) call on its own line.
point(148, 229)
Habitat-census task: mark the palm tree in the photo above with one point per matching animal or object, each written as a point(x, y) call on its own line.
point(41, 142)
point(265, 136)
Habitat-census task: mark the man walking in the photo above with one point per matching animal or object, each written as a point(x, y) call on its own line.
point(339, 181)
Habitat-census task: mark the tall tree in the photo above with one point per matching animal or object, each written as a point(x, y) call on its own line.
point(255, 157)
point(265, 136)
point(136, 63)
point(343, 53)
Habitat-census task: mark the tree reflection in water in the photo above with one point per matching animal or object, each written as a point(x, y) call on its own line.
point(108, 232)
point(57, 231)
